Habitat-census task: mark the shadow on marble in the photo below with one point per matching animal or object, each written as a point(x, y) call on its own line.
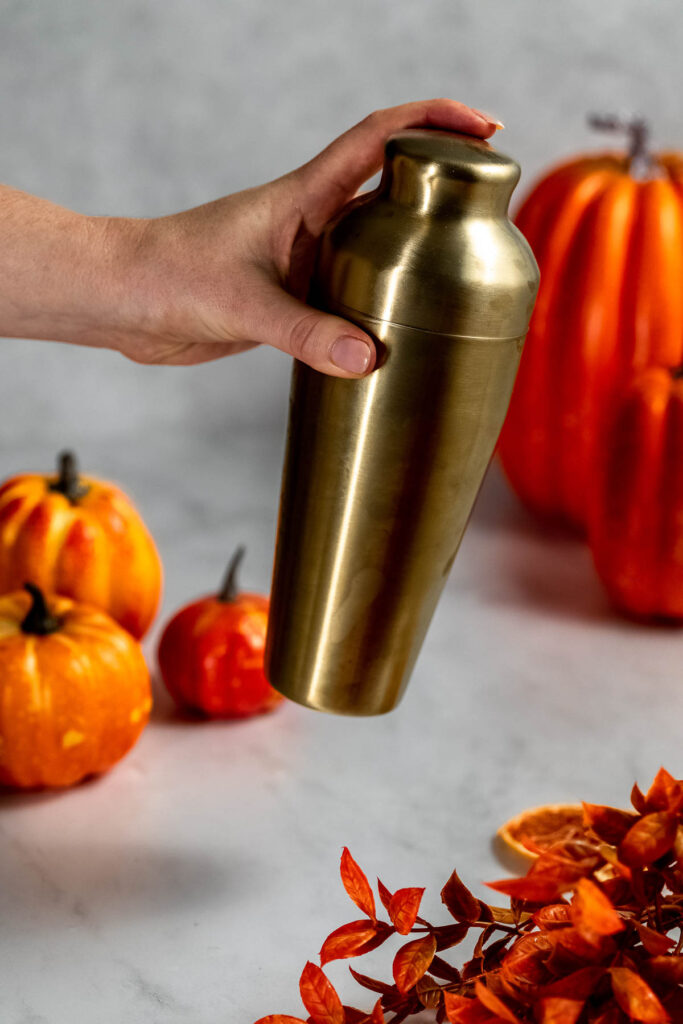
point(12, 799)
point(108, 881)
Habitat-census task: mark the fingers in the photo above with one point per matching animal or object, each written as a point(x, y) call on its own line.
point(338, 172)
point(327, 343)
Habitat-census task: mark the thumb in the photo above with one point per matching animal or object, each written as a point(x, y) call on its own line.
point(327, 343)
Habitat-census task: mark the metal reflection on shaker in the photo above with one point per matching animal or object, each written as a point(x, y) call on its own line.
point(380, 474)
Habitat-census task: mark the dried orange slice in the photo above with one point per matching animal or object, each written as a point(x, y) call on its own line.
point(539, 828)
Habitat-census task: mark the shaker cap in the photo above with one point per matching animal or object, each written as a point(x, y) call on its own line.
point(432, 247)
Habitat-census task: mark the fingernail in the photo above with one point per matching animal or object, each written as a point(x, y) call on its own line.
point(351, 354)
point(491, 118)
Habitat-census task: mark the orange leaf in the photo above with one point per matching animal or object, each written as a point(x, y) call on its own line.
point(412, 961)
point(384, 894)
point(638, 800)
point(636, 998)
point(655, 943)
point(377, 1015)
point(346, 941)
point(357, 885)
point(665, 793)
point(319, 996)
point(556, 1010)
point(592, 912)
point(280, 1018)
point(459, 900)
point(649, 839)
point(403, 909)
point(609, 824)
point(555, 915)
point(461, 1010)
point(491, 1001)
point(668, 969)
point(678, 847)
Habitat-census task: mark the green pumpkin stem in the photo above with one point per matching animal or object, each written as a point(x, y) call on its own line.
point(39, 621)
point(67, 482)
point(229, 591)
point(638, 131)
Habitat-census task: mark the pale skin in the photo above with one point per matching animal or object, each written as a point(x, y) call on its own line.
point(208, 282)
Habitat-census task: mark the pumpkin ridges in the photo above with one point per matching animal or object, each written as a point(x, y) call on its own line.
point(591, 336)
point(668, 567)
point(530, 467)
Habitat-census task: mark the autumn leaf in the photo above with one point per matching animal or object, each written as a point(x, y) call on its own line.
point(655, 943)
point(412, 961)
point(638, 799)
point(461, 1010)
point(384, 894)
point(609, 824)
point(636, 998)
point(555, 915)
point(557, 1010)
point(665, 793)
point(442, 969)
point(678, 847)
point(346, 941)
point(592, 912)
point(319, 996)
point(357, 885)
point(377, 1015)
point(668, 969)
point(649, 839)
point(449, 935)
point(280, 1018)
point(491, 1001)
point(459, 900)
point(429, 992)
point(403, 909)
point(372, 984)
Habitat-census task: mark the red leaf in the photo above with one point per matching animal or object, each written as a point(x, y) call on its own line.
point(403, 909)
point(665, 793)
point(638, 800)
point(383, 933)
point(347, 941)
point(592, 912)
point(449, 935)
point(357, 885)
point(556, 1010)
point(412, 961)
point(636, 998)
point(429, 992)
point(319, 996)
point(555, 915)
point(377, 1015)
point(491, 1001)
point(678, 847)
point(609, 824)
point(612, 1015)
point(442, 969)
point(541, 887)
point(461, 1010)
point(654, 942)
point(578, 985)
point(649, 839)
point(384, 894)
point(280, 1018)
point(372, 984)
point(668, 969)
point(459, 900)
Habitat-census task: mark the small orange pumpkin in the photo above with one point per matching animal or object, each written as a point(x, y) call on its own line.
point(74, 690)
point(82, 538)
point(636, 508)
point(607, 232)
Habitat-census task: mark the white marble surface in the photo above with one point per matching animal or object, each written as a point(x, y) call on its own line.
point(192, 883)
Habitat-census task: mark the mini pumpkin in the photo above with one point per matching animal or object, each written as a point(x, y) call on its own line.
point(82, 538)
point(74, 690)
point(211, 652)
point(607, 232)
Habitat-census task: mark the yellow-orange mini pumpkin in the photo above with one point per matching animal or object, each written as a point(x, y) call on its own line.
point(74, 690)
point(636, 507)
point(82, 538)
point(607, 232)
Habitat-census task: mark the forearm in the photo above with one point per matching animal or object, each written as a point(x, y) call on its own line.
point(65, 276)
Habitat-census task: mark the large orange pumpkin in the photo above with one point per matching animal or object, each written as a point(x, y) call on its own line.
point(607, 231)
point(636, 507)
point(74, 690)
point(82, 538)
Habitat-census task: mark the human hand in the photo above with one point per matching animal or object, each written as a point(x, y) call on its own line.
point(234, 273)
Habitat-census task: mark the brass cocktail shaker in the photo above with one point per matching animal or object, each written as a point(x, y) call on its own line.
point(381, 473)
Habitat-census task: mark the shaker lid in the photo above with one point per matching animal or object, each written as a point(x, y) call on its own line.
point(432, 247)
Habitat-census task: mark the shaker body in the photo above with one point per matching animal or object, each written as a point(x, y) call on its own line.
point(381, 473)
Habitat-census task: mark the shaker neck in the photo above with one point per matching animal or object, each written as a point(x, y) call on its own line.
point(428, 188)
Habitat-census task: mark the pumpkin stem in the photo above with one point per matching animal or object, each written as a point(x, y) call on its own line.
point(228, 591)
point(67, 482)
point(39, 620)
point(638, 131)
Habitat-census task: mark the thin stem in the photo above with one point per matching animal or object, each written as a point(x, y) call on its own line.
point(638, 132)
point(229, 591)
point(68, 482)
